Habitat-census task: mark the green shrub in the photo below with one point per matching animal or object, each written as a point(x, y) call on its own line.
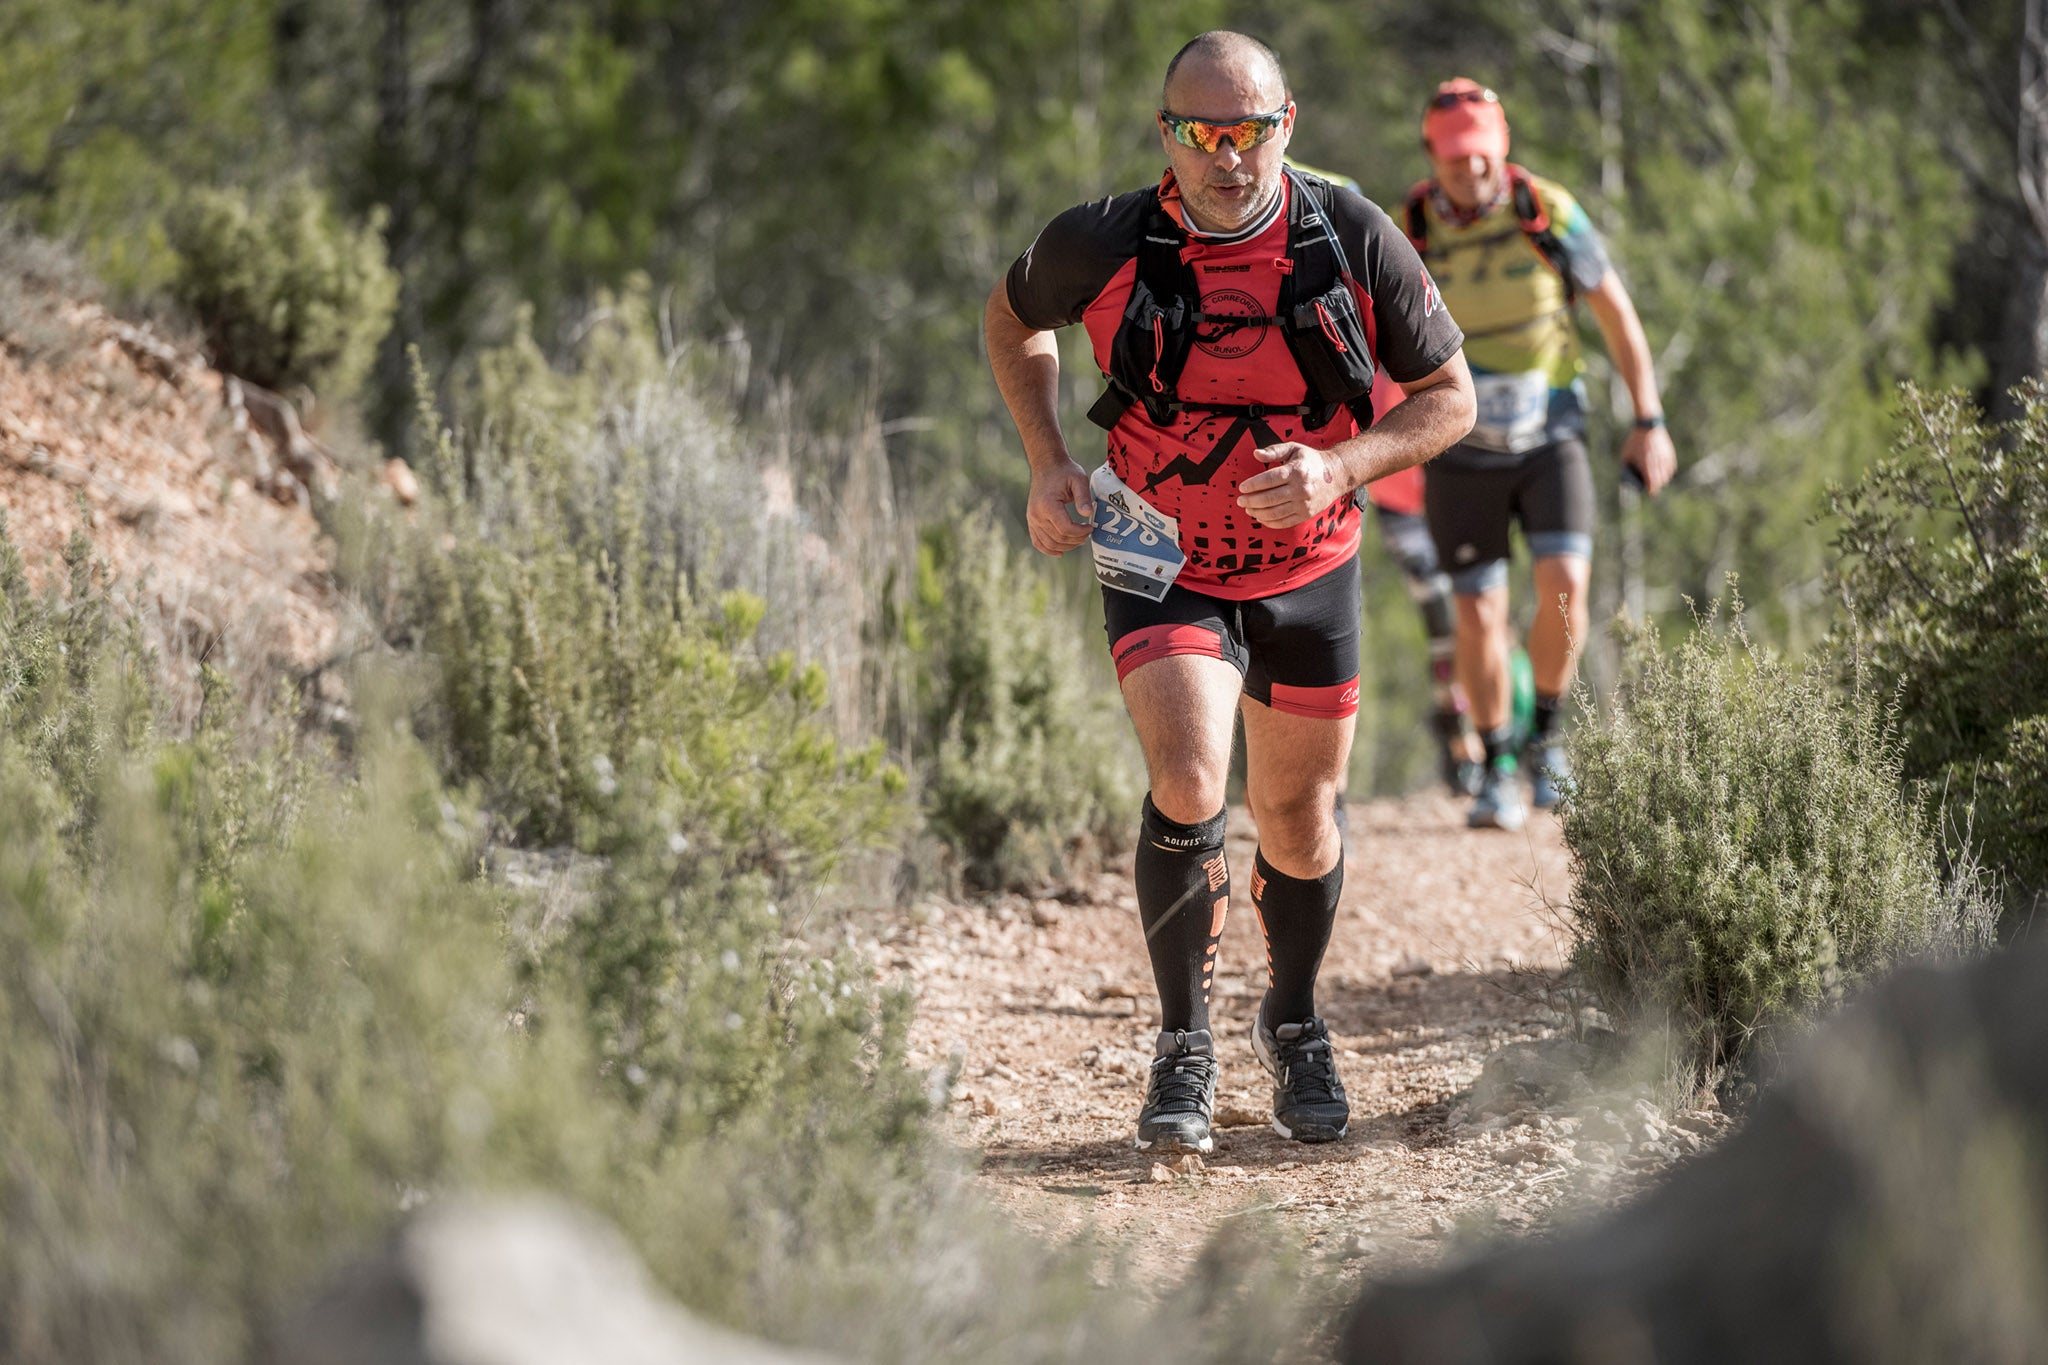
point(282, 290)
point(1744, 851)
point(1025, 759)
point(1944, 577)
point(596, 654)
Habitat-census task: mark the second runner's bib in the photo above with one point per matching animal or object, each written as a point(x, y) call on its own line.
point(1514, 410)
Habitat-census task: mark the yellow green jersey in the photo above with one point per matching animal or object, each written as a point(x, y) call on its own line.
point(1520, 339)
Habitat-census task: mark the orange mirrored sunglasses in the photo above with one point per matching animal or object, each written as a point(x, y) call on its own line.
point(1205, 136)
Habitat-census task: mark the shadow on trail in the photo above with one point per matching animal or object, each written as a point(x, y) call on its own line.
point(1469, 1014)
point(1377, 1017)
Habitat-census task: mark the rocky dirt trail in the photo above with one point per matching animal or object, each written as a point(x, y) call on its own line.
point(1445, 956)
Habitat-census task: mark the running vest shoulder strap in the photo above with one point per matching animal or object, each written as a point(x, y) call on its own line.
point(1315, 314)
point(1530, 216)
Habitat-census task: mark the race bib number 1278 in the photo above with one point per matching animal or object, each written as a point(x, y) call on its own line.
point(1136, 547)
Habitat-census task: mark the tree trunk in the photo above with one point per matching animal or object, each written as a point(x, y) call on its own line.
point(2023, 337)
point(392, 178)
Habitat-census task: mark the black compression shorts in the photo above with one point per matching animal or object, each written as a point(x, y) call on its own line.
point(1297, 650)
point(1549, 490)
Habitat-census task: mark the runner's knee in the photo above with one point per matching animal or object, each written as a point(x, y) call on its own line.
point(1294, 823)
point(1186, 796)
point(1483, 611)
point(1563, 572)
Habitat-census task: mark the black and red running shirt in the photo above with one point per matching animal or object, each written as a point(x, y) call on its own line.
point(1081, 269)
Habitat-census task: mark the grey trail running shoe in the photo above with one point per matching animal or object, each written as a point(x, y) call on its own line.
point(1550, 775)
point(1180, 1094)
point(1499, 803)
point(1308, 1099)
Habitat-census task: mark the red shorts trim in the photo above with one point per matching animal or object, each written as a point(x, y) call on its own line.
point(1317, 703)
point(1162, 641)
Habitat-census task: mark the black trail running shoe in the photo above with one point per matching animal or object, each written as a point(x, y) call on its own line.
point(1180, 1094)
point(1308, 1099)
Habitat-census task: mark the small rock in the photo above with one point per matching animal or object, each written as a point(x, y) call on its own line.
point(1528, 1154)
point(984, 1106)
point(1160, 1174)
point(1189, 1164)
point(1413, 966)
point(1606, 1126)
point(1045, 914)
point(1288, 1166)
point(1237, 1116)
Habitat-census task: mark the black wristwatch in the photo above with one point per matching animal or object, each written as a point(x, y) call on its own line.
point(1650, 423)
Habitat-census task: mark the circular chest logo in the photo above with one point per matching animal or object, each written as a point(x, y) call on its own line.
point(1223, 339)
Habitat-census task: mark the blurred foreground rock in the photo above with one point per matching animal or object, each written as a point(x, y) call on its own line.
point(531, 1282)
point(1887, 1201)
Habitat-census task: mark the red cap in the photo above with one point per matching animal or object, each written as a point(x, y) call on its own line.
point(1464, 118)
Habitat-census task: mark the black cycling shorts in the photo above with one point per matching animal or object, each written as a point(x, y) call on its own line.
point(1297, 650)
point(1549, 491)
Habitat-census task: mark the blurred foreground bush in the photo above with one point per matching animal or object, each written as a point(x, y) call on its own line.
point(1945, 579)
point(284, 292)
point(253, 1006)
point(1744, 853)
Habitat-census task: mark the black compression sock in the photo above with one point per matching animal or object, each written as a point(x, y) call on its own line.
point(1183, 891)
point(1296, 916)
point(1545, 719)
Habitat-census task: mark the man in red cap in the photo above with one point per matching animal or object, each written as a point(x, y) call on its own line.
point(1512, 252)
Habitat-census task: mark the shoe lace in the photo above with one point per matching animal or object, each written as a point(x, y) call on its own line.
point(1311, 1070)
point(1180, 1083)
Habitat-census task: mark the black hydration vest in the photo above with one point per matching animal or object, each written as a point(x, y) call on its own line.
point(1316, 313)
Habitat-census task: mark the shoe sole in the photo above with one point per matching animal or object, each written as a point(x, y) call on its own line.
point(1320, 1132)
point(1202, 1148)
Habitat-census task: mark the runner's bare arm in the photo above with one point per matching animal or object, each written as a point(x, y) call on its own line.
point(1649, 450)
point(1026, 362)
point(1301, 481)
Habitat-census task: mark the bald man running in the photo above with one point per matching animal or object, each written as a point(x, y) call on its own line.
point(1240, 312)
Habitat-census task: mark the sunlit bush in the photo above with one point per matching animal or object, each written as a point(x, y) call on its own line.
point(596, 652)
point(283, 291)
point(1744, 851)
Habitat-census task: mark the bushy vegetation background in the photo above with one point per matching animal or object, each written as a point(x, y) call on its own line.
point(825, 191)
